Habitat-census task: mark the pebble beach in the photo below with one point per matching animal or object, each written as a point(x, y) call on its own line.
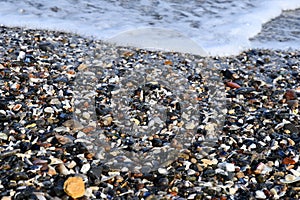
point(60, 135)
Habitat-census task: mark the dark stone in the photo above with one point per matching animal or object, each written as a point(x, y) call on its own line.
point(95, 172)
point(156, 142)
point(58, 189)
point(46, 46)
point(26, 194)
point(291, 127)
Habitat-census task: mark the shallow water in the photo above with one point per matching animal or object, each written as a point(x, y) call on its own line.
point(221, 27)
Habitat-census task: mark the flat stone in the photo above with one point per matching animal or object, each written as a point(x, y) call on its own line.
point(74, 187)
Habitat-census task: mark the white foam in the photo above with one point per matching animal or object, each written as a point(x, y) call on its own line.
point(222, 28)
point(156, 38)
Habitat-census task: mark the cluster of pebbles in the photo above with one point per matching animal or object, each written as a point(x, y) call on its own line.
point(81, 119)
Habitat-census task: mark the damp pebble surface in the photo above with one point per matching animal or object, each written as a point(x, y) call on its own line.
point(48, 146)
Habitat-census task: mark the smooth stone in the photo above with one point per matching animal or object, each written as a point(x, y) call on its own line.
point(260, 195)
point(85, 168)
point(74, 187)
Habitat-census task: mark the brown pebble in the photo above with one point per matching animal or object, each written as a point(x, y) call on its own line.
point(17, 107)
point(240, 175)
point(193, 160)
point(63, 139)
point(88, 129)
point(82, 67)
point(292, 104)
point(86, 104)
point(74, 187)
point(51, 171)
point(168, 62)
point(290, 95)
point(233, 85)
point(288, 161)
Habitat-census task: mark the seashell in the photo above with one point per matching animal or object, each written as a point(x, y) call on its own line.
point(289, 178)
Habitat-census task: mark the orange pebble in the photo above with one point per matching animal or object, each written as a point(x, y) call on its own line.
point(233, 85)
point(287, 161)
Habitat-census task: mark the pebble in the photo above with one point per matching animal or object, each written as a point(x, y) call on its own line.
point(74, 187)
point(46, 135)
point(85, 168)
point(260, 195)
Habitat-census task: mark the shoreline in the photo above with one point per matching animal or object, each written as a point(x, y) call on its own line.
point(256, 149)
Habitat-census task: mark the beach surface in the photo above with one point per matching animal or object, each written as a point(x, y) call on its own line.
point(71, 108)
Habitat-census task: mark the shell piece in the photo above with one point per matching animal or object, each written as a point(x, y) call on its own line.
point(289, 178)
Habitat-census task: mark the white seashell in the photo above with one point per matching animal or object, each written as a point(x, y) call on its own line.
point(289, 178)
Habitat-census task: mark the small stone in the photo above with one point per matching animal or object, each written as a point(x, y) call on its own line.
point(233, 85)
point(289, 178)
point(51, 171)
point(55, 161)
point(17, 107)
point(193, 160)
point(85, 168)
point(74, 187)
point(168, 62)
point(21, 55)
point(63, 170)
point(260, 195)
point(86, 115)
point(290, 95)
point(71, 164)
point(291, 142)
point(209, 162)
point(49, 110)
point(190, 125)
point(163, 171)
point(287, 161)
point(73, 124)
point(88, 129)
point(63, 139)
point(3, 136)
point(230, 167)
point(240, 175)
point(82, 67)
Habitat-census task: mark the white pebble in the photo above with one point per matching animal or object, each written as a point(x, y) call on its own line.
point(230, 167)
point(252, 146)
point(86, 115)
point(21, 55)
point(48, 110)
point(85, 168)
point(260, 195)
point(163, 171)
